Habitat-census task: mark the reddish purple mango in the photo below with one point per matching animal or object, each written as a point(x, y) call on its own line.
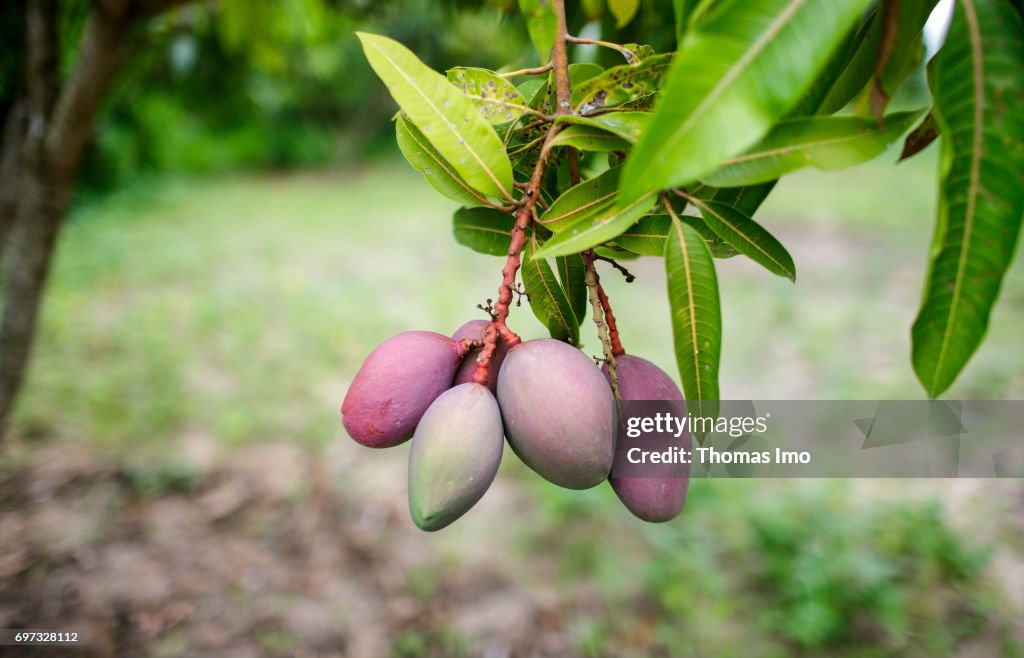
point(396, 384)
point(455, 455)
point(654, 499)
point(559, 412)
point(474, 329)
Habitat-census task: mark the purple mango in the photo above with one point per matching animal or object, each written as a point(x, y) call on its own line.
point(559, 412)
point(654, 499)
point(396, 384)
point(475, 329)
point(455, 455)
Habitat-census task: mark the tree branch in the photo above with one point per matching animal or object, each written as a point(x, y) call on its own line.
point(99, 56)
point(10, 165)
point(598, 311)
point(42, 61)
point(527, 206)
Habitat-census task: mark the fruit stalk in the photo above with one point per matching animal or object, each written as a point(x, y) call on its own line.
point(595, 292)
point(609, 317)
point(527, 205)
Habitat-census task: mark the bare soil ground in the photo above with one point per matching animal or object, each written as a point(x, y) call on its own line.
point(260, 555)
point(273, 550)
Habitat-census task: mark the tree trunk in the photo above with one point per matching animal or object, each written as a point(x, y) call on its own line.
point(47, 151)
point(44, 202)
point(10, 165)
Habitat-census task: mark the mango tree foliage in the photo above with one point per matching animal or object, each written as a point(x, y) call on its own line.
point(670, 153)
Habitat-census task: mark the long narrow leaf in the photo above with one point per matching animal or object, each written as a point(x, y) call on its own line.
point(425, 159)
point(484, 230)
point(572, 275)
point(541, 24)
point(591, 231)
point(748, 237)
point(647, 237)
point(547, 299)
point(974, 79)
point(443, 114)
point(821, 142)
point(696, 312)
point(628, 125)
point(584, 200)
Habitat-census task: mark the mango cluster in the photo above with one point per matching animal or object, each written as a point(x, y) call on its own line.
point(551, 402)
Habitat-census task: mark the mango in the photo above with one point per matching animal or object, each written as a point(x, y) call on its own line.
point(654, 499)
point(398, 381)
point(559, 412)
point(474, 329)
point(455, 454)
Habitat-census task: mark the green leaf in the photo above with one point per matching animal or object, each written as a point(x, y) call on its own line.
point(530, 88)
point(901, 48)
point(812, 101)
point(582, 201)
point(647, 237)
point(579, 73)
point(623, 11)
point(718, 247)
point(542, 24)
point(822, 142)
point(737, 73)
point(859, 67)
point(615, 253)
point(920, 138)
point(594, 9)
point(746, 199)
point(621, 84)
point(976, 81)
point(547, 299)
point(484, 230)
point(497, 99)
point(425, 159)
point(696, 312)
point(747, 236)
point(681, 11)
point(572, 275)
point(591, 230)
point(586, 138)
point(443, 114)
point(626, 124)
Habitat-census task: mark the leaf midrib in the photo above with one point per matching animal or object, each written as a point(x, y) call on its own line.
point(443, 164)
point(690, 302)
point(598, 224)
point(579, 209)
point(477, 227)
point(786, 150)
point(978, 65)
point(727, 80)
point(702, 205)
